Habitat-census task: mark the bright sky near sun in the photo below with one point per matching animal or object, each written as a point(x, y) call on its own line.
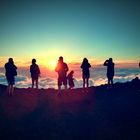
point(45, 30)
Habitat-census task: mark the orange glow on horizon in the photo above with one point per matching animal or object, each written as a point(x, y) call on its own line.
point(52, 64)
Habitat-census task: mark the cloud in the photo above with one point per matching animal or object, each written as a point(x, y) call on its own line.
point(3, 79)
point(23, 81)
point(49, 80)
point(125, 78)
point(79, 83)
point(48, 83)
point(100, 81)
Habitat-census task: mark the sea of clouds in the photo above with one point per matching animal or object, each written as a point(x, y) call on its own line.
point(48, 77)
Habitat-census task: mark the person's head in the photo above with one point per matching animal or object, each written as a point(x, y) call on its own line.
point(72, 72)
point(85, 60)
point(11, 60)
point(60, 59)
point(110, 60)
point(33, 61)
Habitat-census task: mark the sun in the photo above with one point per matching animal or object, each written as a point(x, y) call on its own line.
point(52, 64)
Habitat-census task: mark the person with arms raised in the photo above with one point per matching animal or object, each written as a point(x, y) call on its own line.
point(110, 71)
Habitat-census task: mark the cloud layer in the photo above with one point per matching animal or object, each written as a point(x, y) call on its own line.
point(49, 79)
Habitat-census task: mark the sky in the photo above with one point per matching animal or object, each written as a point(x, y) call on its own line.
point(74, 29)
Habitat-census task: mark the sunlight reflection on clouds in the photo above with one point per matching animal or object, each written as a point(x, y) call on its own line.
point(48, 78)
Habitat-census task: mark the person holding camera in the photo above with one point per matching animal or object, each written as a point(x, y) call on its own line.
point(110, 71)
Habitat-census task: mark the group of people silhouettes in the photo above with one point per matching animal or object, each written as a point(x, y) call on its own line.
point(61, 69)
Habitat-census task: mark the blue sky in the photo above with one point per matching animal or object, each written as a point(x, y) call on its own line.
point(72, 28)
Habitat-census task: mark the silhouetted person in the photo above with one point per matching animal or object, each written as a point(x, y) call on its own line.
point(110, 71)
point(85, 72)
point(70, 79)
point(62, 69)
point(11, 72)
point(35, 73)
point(139, 64)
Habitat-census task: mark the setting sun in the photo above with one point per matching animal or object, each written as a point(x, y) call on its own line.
point(52, 64)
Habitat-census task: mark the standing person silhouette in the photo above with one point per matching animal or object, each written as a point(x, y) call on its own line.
point(11, 72)
point(35, 73)
point(110, 71)
point(85, 72)
point(62, 69)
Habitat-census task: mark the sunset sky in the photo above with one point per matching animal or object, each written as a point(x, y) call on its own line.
point(75, 29)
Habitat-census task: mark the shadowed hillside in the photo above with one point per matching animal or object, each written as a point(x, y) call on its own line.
point(96, 114)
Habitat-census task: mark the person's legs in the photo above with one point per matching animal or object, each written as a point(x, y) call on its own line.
point(65, 82)
point(83, 82)
point(8, 89)
point(71, 84)
point(12, 89)
point(108, 83)
point(33, 82)
point(111, 81)
point(59, 84)
point(36, 83)
point(12, 85)
point(87, 82)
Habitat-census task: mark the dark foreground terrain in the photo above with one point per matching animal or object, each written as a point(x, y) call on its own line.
point(99, 114)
